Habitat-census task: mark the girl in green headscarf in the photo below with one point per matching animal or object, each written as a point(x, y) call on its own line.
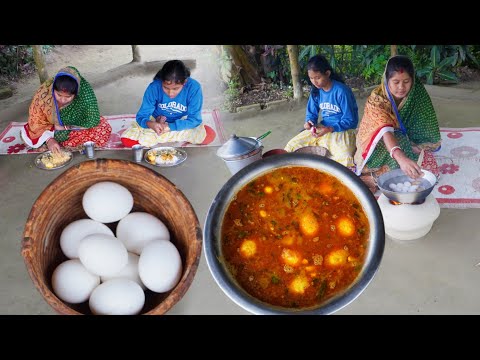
point(64, 112)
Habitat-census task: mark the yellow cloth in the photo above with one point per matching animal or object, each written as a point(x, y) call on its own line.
point(148, 137)
point(341, 145)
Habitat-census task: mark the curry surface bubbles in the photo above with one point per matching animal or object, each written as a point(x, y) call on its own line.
point(295, 237)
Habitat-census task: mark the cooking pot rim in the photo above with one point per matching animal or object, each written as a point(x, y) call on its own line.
point(218, 207)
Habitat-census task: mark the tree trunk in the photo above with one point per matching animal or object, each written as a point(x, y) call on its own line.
point(246, 72)
point(40, 63)
point(393, 50)
point(136, 53)
point(295, 70)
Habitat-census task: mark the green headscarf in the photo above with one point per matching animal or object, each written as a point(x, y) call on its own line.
point(82, 111)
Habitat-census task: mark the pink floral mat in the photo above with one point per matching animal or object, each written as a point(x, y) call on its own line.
point(459, 164)
point(12, 144)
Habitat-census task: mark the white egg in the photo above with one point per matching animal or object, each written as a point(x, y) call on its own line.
point(102, 254)
point(129, 271)
point(160, 266)
point(76, 231)
point(407, 184)
point(107, 201)
point(139, 228)
point(72, 282)
point(393, 187)
point(117, 297)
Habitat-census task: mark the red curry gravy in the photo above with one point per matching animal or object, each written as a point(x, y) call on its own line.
point(295, 237)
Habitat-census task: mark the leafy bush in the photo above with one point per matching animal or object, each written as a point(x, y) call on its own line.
point(373, 72)
point(17, 60)
point(231, 94)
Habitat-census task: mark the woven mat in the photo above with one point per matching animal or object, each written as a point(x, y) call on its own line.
point(12, 144)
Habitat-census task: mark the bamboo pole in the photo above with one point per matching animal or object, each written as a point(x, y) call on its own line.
point(136, 53)
point(40, 63)
point(295, 70)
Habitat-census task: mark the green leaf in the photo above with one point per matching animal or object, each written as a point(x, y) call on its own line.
point(448, 61)
point(435, 56)
point(473, 58)
point(430, 79)
point(455, 56)
point(447, 75)
point(305, 51)
point(461, 51)
point(424, 71)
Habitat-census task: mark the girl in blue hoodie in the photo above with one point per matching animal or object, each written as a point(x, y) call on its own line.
point(171, 109)
point(335, 104)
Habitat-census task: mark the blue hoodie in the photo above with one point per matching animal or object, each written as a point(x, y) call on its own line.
point(338, 107)
point(182, 112)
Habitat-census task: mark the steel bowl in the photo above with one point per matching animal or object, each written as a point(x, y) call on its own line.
point(213, 226)
point(428, 181)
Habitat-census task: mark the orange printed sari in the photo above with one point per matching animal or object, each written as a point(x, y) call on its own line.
point(82, 115)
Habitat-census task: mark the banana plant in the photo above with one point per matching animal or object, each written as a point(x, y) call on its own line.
point(438, 68)
point(311, 50)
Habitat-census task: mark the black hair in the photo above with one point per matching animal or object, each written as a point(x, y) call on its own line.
point(319, 63)
point(66, 83)
point(397, 63)
point(174, 71)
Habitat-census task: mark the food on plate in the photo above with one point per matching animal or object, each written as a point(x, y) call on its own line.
point(168, 156)
point(151, 156)
point(52, 160)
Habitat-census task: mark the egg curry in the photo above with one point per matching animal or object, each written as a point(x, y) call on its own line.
point(295, 237)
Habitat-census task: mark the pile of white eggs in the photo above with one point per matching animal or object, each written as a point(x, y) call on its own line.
point(406, 187)
point(112, 271)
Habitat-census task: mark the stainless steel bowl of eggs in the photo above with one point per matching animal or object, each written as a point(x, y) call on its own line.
point(397, 186)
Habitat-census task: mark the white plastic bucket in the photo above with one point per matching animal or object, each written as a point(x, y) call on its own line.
point(235, 165)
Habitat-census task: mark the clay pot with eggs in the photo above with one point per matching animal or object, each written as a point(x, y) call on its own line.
point(60, 204)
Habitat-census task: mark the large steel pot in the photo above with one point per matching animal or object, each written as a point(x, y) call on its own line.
point(214, 220)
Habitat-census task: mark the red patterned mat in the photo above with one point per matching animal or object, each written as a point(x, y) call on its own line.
point(12, 144)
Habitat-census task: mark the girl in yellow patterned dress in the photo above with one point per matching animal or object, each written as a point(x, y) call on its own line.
point(335, 102)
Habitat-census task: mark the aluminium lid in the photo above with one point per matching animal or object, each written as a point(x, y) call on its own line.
point(237, 146)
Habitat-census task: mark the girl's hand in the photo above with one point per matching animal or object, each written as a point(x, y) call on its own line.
point(308, 125)
point(158, 127)
point(155, 126)
point(161, 119)
point(321, 130)
point(53, 146)
point(165, 127)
